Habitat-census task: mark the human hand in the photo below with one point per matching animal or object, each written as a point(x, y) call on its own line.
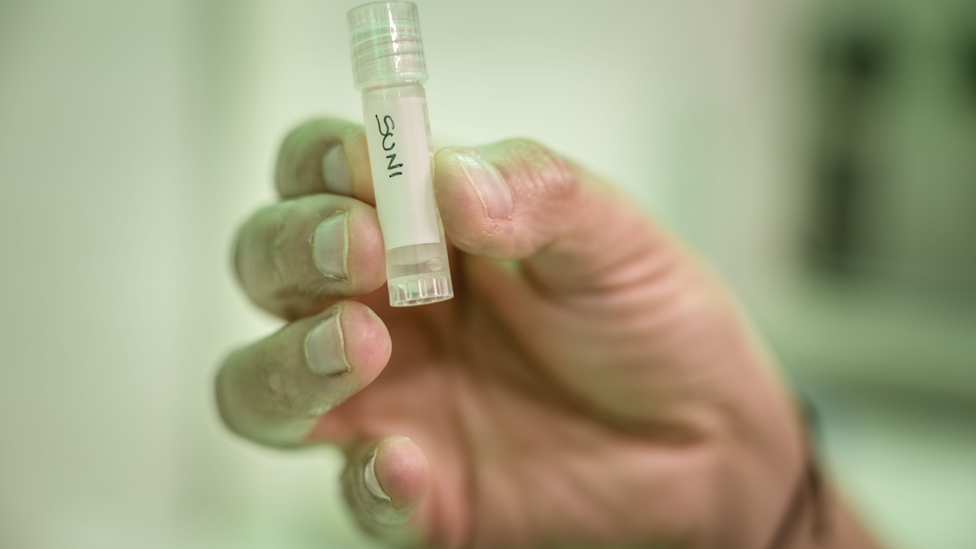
point(589, 385)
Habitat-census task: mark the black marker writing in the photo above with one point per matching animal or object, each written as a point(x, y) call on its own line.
point(392, 166)
point(390, 126)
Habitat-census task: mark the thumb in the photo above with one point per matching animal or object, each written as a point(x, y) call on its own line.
point(517, 200)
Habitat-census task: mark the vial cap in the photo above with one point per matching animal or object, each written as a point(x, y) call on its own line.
point(385, 44)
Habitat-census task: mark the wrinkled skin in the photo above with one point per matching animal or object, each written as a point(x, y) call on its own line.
point(589, 385)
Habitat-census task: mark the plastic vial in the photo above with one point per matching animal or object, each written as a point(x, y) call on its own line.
point(389, 70)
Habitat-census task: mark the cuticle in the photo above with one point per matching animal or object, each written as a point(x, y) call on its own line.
point(342, 339)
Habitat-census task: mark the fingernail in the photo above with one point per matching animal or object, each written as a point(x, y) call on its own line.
point(372, 484)
point(324, 349)
point(335, 169)
point(489, 184)
point(330, 246)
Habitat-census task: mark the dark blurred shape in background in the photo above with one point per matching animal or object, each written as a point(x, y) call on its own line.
point(894, 180)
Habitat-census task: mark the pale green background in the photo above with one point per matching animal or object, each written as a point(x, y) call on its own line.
point(136, 136)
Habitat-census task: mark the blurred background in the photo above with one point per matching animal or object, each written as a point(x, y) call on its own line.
point(821, 154)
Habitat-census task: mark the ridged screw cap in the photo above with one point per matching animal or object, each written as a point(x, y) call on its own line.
point(385, 43)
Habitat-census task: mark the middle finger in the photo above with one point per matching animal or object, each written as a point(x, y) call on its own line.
point(296, 257)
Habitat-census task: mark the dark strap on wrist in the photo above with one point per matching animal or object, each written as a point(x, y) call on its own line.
point(807, 514)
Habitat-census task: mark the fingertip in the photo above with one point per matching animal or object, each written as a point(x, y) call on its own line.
point(384, 486)
point(402, 472)
point(366, 340)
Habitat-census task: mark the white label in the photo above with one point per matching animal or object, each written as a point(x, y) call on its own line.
point(400, 158)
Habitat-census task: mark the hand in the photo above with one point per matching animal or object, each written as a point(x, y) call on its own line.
point(589, 385)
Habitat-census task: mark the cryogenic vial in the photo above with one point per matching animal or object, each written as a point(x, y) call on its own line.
point(389, 70)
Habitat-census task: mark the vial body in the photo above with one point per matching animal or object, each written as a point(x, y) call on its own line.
point(402, 162)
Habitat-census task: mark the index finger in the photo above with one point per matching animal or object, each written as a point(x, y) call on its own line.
point(325, 155)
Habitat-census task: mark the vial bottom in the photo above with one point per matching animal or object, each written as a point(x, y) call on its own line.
point(419, 274)
point(420, 289)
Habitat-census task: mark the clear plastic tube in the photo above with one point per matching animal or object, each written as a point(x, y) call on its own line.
point(389, 69)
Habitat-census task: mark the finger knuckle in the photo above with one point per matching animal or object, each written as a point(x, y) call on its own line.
point(543, 171)
point(292, 390)
point(283, 397)
point(280, 396)
point(289, 153)
point(279, 252)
